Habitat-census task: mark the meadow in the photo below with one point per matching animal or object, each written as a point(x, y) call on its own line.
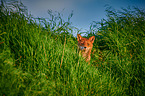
point(39, 56)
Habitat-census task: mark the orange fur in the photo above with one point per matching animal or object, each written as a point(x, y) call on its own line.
point(85, 46)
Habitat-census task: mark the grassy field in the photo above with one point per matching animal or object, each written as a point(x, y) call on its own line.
point(42, 59)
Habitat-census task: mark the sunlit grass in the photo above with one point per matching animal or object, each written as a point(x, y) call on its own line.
point(42, 59)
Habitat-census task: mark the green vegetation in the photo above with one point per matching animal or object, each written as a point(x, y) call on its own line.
point(41, 59)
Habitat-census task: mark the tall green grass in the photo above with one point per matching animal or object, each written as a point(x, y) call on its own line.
point(42, 59)
point(120, 47)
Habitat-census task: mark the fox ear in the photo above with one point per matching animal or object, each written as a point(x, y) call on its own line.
point(92, 39)
point(79, 37)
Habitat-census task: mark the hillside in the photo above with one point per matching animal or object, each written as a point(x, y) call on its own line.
point(41, 58)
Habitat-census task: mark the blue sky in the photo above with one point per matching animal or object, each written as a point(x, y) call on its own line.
point(85, 11)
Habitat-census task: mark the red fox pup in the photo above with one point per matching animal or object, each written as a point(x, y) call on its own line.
point(85, 46)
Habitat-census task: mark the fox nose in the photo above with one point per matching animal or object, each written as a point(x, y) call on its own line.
point(85, 47)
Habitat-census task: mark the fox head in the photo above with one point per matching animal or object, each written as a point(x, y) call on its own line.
point(84, 43)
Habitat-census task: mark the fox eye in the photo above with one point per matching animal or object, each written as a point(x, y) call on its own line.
point(88, 44)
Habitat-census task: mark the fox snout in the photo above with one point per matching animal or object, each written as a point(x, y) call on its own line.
point(82, 48)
